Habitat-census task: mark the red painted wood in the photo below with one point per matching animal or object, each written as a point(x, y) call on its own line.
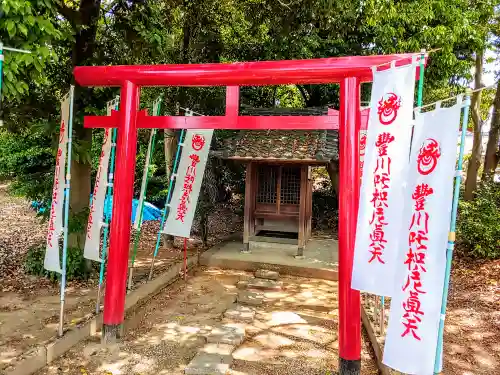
point(232, 101)
point(331, 121)
point(220, 122)
point(349, 182)
point(313, 71)
point(123, 193)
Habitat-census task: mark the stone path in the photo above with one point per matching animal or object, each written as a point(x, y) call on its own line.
point(202, 326)
point(216, 357)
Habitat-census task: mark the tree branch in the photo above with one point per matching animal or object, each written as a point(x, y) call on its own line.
point(304, 93)
point(71, 15)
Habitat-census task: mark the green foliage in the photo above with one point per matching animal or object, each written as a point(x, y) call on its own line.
point(30, 25)
point(62, 34)
point(478, 225)
point(76, 265)
point(27, 159)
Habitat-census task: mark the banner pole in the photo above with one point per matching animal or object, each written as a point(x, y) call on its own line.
point(167, 202)
point(151, 147)
point(438, 364)
point(420, 94)
point(107, 219)
point(185, 258)
point(66, 209)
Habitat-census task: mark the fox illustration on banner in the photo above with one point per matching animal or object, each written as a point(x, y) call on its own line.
point(385, 167)
point(52, 260)
point(411, 341)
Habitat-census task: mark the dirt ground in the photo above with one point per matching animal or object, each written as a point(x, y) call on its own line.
point(294, 333)
point(472, 329)
point(29, 306)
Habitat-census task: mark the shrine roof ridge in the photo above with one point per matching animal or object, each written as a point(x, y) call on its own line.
point(311, 71)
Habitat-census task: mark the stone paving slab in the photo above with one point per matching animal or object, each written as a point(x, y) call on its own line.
point(212, 359)
point(208, 364)
point(250, 298)
point(267, 274)
point(241, 314)
point(264, 284)
point(242, 284)
point(231, 334)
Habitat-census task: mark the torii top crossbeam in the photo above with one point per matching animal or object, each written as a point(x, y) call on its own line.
point(314, 71)
point(349, 72)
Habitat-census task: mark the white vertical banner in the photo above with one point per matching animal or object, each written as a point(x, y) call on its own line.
point(96, 214)
point(52, 261)
point(384, 175)
point(140, 205)
point(411, 341)
point(188, 182)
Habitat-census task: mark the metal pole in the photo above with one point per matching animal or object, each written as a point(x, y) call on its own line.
point(420, 94)
point(438, 364)
point(185, 259)
point(107, 218)
point(167, 202)
point(382, 315)
point(66, 210)
point(140, 208)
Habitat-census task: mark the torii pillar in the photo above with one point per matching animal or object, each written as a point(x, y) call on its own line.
point(348, 71)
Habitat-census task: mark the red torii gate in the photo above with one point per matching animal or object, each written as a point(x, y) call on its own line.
point(350, 72)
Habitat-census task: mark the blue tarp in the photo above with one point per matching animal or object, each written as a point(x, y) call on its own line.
point(150, 213)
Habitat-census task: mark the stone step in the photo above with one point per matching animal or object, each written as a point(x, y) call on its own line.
point(242, 284)
point(212, 359)
point(250, 298)
point(241, 314)
point(267, 274)
point(231, 334)
point(264, 284)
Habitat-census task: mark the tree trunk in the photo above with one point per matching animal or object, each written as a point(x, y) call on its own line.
point(170, 148)
point(333, 171)
point(204, 229)
point(492, 156)
point(84, 22)
point(475, 159)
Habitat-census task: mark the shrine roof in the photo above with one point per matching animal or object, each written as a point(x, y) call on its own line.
point(282, 145)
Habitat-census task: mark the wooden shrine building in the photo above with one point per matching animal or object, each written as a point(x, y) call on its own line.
point(278, 184)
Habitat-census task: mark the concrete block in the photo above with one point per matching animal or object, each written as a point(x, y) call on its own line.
point(265, 284)
point(250, 298)
point(213, 359)
point(231, 334)
point(266, 274)
point(241, 314)
point(69, 339)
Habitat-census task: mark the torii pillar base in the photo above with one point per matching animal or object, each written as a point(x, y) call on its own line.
point(349, 367)
point(111, 333)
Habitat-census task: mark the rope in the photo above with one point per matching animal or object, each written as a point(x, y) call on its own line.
point(187, 109)
point(467, 91)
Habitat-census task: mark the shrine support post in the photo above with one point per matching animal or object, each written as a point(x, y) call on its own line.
point(349, 184)
point(116, 278)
